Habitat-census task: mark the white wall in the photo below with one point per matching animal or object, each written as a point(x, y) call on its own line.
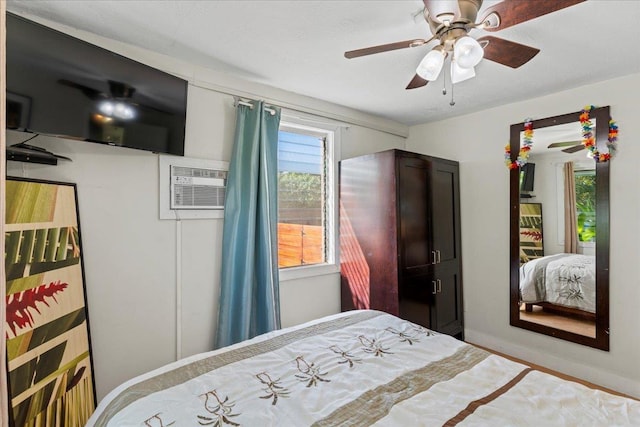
point(130, 255)
point(477, 141)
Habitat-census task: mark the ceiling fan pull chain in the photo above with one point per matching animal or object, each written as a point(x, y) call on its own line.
point(452, 103)
point(444, 89)
point(444, 84)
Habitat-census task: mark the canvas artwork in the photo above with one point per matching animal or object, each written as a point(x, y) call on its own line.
point(50, 373)
point(530, 232)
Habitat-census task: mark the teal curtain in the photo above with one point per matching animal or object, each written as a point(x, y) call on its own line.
point(249, 294)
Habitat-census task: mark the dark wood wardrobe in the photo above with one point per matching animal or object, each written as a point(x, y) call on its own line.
point(400, 238)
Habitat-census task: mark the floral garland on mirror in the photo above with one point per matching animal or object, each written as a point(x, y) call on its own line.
point(523, 154)
point(589, 141)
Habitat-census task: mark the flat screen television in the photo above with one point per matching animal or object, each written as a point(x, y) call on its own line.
point(62, 86)
point(527, 176)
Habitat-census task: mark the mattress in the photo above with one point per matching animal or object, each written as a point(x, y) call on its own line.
point(358, 368)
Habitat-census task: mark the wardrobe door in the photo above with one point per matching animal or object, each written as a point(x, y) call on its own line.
point(416, 298)
point(445, 205)
point(413, 212)
point(446, 310)
point(368, 233)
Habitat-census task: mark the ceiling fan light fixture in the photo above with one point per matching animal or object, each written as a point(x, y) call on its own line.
point(446, 18)
point(460, 74)
point(119, 109)
point(443, 11)
point(106, 108)
point(431, 65)
point(124, 111)
point(467, 52)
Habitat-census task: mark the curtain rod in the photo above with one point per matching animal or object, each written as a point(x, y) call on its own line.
point(246, 101)
point(391, 130)
point(239, 101)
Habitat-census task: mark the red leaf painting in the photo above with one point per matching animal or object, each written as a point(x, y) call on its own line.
point(20, 304)
point(535, 235)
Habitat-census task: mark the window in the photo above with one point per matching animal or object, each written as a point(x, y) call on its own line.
point(586, 204)
point(584, 176)
point(306, 199)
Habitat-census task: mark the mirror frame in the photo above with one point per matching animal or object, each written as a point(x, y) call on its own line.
point(601, 340)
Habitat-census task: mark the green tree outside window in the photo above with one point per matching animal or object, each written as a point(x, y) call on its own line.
point(586, 205)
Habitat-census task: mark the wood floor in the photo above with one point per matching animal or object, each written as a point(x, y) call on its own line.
point(566, 323)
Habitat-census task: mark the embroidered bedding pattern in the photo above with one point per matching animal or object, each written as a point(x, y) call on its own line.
point(568, 280)
point(359, 368)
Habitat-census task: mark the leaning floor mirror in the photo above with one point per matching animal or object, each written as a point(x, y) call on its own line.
point(559, 229)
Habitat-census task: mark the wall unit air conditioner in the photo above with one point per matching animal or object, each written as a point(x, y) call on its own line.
point(197, 188)
point(192, 188)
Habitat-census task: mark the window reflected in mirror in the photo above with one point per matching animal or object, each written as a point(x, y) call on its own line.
point(585, 205)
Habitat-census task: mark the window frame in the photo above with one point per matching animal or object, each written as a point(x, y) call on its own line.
point(332, 149)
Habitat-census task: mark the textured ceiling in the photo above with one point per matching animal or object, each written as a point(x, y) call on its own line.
point(298, 46)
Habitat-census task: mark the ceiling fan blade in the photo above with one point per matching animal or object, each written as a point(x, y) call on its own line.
point(417, 82)
point(86, 90)
point(149, 107)
point(513, 12)
point(506, 52)
point(573, 149)
point(385, 48)
point(563, 144)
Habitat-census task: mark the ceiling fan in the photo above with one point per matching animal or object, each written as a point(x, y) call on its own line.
point(572, 146)
point(451, 21)
point(117, 103)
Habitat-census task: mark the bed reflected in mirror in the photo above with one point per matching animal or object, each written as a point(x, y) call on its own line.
point(559, 242)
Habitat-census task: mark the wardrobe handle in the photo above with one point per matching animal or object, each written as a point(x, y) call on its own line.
point(435, 291)
point(438, 252)
point(435, 257)
point(439, 285)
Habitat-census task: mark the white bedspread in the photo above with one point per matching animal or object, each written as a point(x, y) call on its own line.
point(568, 280)
point(359, 368)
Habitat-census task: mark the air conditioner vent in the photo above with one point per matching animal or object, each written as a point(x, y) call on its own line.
point(192, 188)
point(197, 188)
point(199, 172)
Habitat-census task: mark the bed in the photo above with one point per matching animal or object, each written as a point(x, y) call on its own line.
point(358, 368)
point(561, 282)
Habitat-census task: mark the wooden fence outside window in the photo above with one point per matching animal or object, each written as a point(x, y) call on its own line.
point(299, 245)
